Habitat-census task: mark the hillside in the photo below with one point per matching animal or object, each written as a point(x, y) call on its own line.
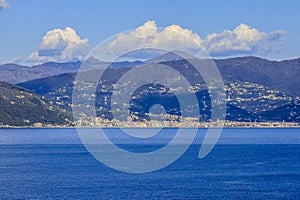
point(256, 88)
point(288, 113)
point(281, 75)
point(20, 107)
point(246, 101)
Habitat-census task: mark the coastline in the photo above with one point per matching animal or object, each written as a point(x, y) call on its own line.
point(89, 127)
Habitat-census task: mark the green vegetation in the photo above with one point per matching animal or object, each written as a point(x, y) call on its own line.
point(20, 107)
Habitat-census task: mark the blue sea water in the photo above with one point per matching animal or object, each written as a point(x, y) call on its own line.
point(245, 164)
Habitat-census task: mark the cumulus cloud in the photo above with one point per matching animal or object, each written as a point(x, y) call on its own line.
point(60, 45)
point(243, 40)
point(3, 4)
point(148, 35)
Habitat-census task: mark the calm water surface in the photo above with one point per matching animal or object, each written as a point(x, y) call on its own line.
point(246, 164)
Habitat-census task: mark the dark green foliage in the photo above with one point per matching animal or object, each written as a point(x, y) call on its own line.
point(20, 107)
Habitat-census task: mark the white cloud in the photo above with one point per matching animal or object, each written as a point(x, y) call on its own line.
point(60, 45)
point(243, 40)
point(148, 35)
point(3, 4)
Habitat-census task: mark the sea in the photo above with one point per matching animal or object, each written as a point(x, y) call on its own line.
point(245, 164)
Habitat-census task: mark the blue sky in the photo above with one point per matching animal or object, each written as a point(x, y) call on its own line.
point(23, 24)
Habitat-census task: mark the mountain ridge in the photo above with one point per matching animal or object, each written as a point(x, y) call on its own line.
point(249, 81)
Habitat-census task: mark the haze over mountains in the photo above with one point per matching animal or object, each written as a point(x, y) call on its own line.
point(13, 73)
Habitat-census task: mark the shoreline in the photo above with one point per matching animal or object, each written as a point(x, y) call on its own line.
point(225, 127)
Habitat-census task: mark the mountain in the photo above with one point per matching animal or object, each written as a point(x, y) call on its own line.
point(20, 107)
point(255, 87)
point(281, 75)
point(243, 101)
point(288, 113)
point(50, 84)
point(166, 57)
point(15, 74)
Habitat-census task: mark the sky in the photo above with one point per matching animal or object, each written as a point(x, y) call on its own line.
point(35, 31)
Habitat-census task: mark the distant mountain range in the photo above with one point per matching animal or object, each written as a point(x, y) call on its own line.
point(281, 75)
point(257, 88)
point(13, 73)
